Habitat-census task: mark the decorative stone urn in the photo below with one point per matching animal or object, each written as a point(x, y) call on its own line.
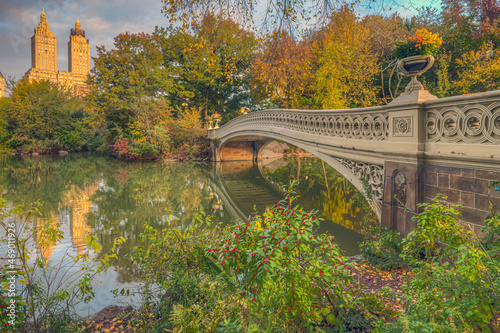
point(210, 122)
point(216, 123)
point(413, 67)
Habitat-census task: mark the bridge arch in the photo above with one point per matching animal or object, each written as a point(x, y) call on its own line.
point(354, 171)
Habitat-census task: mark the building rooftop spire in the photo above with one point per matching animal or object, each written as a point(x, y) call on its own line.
point(78, 29)
point(43, 19)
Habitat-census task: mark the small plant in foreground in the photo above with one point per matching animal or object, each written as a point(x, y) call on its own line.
point(46, 291)
point(383, 251)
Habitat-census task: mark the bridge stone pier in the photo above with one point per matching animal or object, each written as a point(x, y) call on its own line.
point(407, 151)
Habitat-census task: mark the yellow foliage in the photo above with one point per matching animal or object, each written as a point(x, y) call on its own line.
point(478, 70)
point(189, 124)
point(283, 69)
point(346, 64)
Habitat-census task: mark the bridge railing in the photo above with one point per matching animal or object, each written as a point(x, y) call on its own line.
point(432, 128)
point(471, 119)
point(361, 124)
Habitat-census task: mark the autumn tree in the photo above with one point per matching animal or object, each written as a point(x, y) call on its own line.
point(128, 87)
point(38, 116)
point(282, 73)
point(346, 64)
point(385, 32)
point(470, 23)
point(478, 70)
point(468, 60)
point(209, 66)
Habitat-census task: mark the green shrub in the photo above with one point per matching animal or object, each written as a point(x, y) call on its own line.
point(180, 285)
point(271, 271)
point(456, 276)
point(384, 249)
point(292, 276)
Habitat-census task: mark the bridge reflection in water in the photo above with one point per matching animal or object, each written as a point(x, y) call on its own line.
point(245, 187)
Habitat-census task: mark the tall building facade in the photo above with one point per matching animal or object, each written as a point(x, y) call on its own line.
point(44, 57)
point(2, 85)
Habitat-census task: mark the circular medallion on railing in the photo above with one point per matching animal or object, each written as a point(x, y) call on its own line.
point(430, 124)
point(473, 123)
point(495, 123)
point(366, 128)
point(450, 125)
point(338, 126)
point(357, 127)
point(348, 126)
point(379, 127)
point(403, 125)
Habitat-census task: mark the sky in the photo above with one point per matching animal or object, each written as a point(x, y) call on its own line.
point(102, 20)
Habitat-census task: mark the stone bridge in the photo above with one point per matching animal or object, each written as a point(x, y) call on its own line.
point(408, 151)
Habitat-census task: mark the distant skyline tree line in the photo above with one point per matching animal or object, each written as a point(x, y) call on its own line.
point(150, 92)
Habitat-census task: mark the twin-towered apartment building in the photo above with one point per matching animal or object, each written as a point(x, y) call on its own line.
point(44, 58)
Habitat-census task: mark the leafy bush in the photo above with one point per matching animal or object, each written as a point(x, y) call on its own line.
point(284, 268)
point(188, 126)
point(134, 149)
point(383, 251)
point(271, 271)
point(292, 276)
point(456, 282)
point(438, 234)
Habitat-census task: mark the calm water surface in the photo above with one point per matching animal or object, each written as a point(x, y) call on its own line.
point(93, 194)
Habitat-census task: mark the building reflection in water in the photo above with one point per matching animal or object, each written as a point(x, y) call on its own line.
point(80, 203)
point(77, 203)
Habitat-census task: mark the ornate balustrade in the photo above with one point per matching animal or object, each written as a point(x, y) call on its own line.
point(343, 124)
point(472, 119)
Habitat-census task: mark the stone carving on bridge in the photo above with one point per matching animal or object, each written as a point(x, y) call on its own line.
point(399, 181)
point(402, 126)
point(364, 126)
point(374, 174)
point(472, 123)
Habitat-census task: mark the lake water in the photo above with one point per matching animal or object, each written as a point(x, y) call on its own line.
point(94, 194)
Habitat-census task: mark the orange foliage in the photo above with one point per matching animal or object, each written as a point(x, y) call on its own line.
point(282, 72)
